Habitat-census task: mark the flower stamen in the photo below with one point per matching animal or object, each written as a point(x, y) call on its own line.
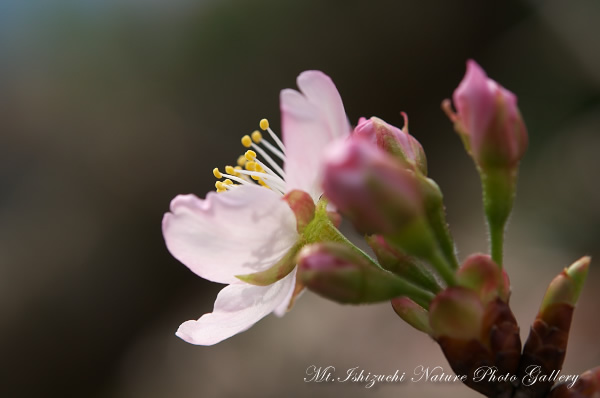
point(248, 142)
point(264, 125)
point(257, 138)
point(250, 170)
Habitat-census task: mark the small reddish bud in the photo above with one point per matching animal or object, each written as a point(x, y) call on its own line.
point(398, 143)
point(482, 275)
point(473, 335)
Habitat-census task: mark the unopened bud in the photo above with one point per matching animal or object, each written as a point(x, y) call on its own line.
point(473, 335)
point(412, 313)
point(456, 313)
point(365, 184)
point(342, 274)
point(480, 274)
point(488, 120)
point(398, 143)
point(493, 133)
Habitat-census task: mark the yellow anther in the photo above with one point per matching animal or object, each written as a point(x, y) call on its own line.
point(219, 185)
point(228, 182)
point(217, 173)
point(255, 178)
point(236, 171)
point(263, 184)
point(256, 136)
point(229, 170)
point(250, 166)
point(259, 168)
point(241, 160)
point(246, 141)
point(221, 190)
point(264, 124)
point(250, 154)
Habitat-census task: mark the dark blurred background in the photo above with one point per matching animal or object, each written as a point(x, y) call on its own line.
point(109, 109)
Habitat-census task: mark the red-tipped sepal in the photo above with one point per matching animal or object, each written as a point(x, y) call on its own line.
point(546, 345)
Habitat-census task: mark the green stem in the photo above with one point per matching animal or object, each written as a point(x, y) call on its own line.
point(496, 242)
point(416, 294)
point(436, 215)
point(441, 265)
point(417, 239)
point(325, 231)
point(498, 196)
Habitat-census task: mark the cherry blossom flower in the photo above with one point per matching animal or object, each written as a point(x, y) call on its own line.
point(249, 228)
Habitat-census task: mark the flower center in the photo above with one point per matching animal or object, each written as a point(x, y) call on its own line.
point(250, 170)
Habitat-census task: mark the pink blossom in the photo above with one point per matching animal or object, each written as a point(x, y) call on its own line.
point(489, 120)
point(249, 228)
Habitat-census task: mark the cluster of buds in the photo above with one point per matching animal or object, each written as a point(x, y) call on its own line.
point(377, 178)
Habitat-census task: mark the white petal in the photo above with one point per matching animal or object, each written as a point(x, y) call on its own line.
point(282, 308)
point(320, 91)
point(241, 231)
point(310, 121)
point(237, 308)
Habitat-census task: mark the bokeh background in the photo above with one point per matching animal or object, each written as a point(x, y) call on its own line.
point(108, 109)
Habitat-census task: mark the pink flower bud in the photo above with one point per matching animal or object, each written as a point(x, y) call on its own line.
point(342, 274)
point(370, 187)
point(396, 142)
point(488, 120)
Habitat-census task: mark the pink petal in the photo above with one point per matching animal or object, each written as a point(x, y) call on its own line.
point(310, 121)
point(237, 308)
point(320, 91)
point(237, 232)
point(474, 99)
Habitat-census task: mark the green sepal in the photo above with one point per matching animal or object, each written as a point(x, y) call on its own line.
point(319, 229)
point(436, 215)
point(567, 286)
point(416, 239)
point(401, 264)
point(275, 273)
